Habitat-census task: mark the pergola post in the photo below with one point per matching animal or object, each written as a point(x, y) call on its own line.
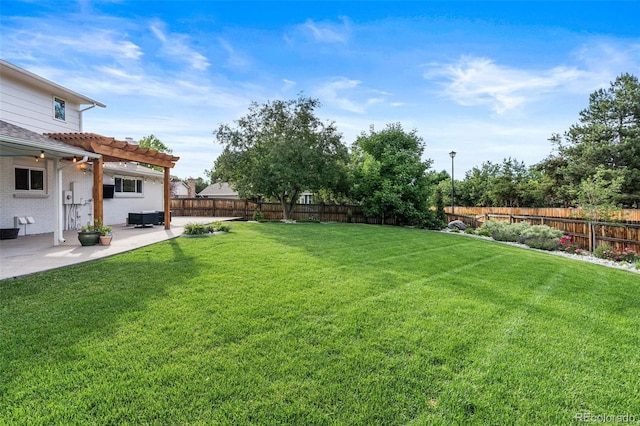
point(167, 198)
point(98, 211)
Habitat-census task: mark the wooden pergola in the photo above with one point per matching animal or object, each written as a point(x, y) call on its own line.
point(113, 151)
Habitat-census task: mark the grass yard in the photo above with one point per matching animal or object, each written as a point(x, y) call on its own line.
point(321, 324)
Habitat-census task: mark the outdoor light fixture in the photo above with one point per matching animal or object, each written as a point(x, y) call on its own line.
point(41, 154)
point(452, 154)
point(75, 159)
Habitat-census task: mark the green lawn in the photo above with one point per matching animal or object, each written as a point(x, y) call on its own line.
point(321, 324)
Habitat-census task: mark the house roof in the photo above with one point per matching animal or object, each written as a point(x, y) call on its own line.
point(218, 189)
point(18, 141)
point(10, 70)
point(113, 150)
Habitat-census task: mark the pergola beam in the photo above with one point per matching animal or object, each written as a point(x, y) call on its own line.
point(126, 155)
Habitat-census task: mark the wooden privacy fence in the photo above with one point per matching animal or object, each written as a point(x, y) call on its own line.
point(626, 215)
point(587, 235)
point(244, 209)
point(615, 235)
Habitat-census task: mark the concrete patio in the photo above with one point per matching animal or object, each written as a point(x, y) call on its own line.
point(36, 253)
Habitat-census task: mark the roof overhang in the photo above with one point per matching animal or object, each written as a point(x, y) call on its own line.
point(16, 141)
point(21, 148)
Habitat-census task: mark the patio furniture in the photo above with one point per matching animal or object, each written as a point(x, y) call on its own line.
point(143, 219)
point(146, 218)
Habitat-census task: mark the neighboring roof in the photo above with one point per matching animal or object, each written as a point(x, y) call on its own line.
point(114, 150)
point(10, 70)
point(218, 189)
point(17, 141)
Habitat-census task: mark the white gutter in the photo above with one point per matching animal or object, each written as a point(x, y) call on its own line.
point(81, 116)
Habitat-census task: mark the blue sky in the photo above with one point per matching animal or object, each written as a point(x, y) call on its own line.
point(489, 80)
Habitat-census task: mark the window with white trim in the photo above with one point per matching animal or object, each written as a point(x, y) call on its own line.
point(128, 185)
point(29, 179)
point(59, 108)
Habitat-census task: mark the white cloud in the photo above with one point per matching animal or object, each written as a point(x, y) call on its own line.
point(327, 32)
point(235, 60)
point(347, 94)
point(44, 41)
point(287, 84)
point(176, 46)
point(474, 81)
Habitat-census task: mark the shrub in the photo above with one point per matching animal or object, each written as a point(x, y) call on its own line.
point(200, 229)
point(469, 230)
point(605, 251)
point(542, 237)
point(511, 232)
point(491, 228)
point(567, 244)
point(483, 232)
point(220, 227)
point(195, 229)
point(637, 264)
point(258, 216)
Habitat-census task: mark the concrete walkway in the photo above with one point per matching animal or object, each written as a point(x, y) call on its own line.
point(36, 253)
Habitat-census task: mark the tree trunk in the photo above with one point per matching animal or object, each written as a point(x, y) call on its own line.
point(288, 204)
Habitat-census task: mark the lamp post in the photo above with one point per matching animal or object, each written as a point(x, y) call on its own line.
point(453, 202)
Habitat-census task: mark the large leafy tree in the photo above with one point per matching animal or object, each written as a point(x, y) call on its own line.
point(389, 177)
point(280, 149)
point(607, 136)
point(152, 142)
point(507, 184)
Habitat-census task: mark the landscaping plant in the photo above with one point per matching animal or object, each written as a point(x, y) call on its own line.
point(605, 251)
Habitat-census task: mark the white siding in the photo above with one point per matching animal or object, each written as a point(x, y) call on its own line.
point(32, 108)
point(116, 210)
point(41, 208)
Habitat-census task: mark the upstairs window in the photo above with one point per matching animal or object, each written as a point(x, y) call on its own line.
point(128, 185)
point(29, 179)
point(59, 108)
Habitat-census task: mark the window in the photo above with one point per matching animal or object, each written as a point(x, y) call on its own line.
point(29, 179)
point(59, 108)
point(128, 185)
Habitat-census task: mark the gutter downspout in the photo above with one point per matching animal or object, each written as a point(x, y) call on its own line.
point(81, 125)
point(58, 234)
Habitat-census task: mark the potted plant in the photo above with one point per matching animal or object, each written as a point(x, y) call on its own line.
point(89, 235)
point(105, 235)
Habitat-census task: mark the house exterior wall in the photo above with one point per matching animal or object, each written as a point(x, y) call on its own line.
point(78, 180)
point(179, 190)
point(32, 108)
point(116, 210)
point(14, 203)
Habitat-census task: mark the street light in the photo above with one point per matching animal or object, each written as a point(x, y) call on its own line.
point(453, 202)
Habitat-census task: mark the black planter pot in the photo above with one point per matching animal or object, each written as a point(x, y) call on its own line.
point(88, 238)
point(9, 233)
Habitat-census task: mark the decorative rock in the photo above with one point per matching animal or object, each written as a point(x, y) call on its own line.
point(457, 224)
